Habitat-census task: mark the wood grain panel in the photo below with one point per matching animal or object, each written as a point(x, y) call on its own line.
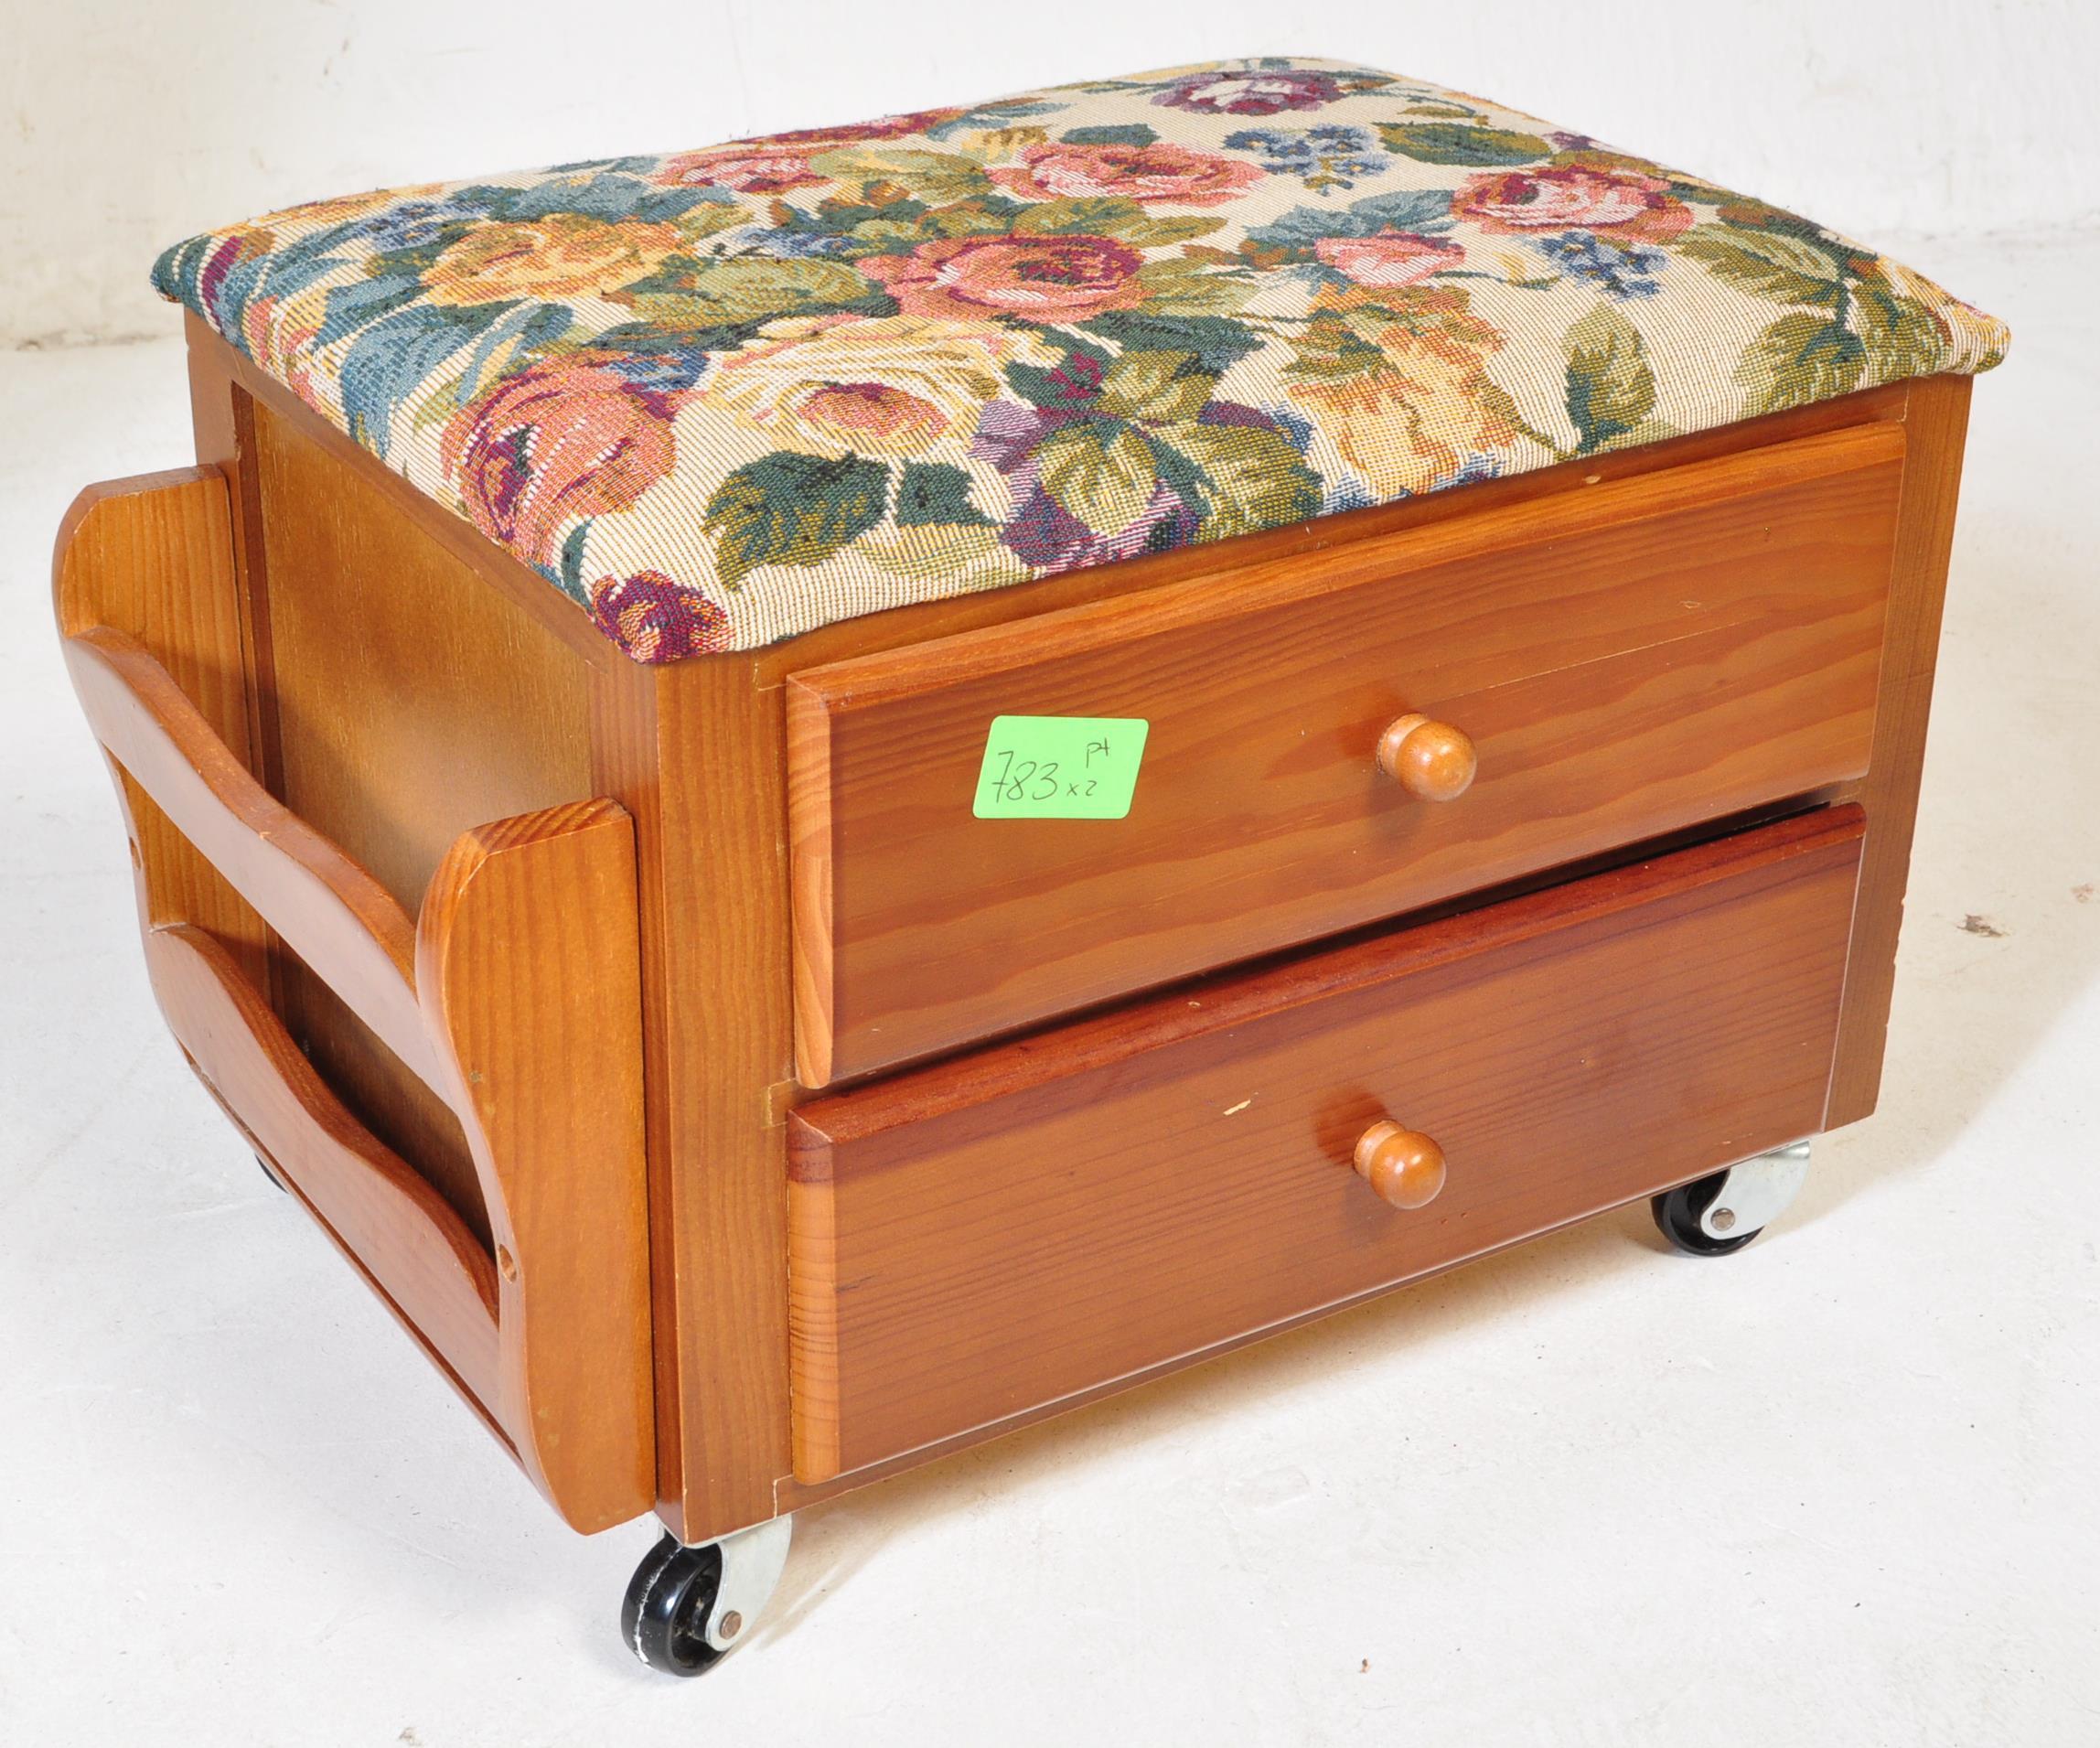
point(694, 752)
point(152, 557)
point(223, 422)
point(528, 963)
point(1936, 425)
point(216, 370)
point(410, 702)
point(414, 701)
point(975, 1240)
point(1664, 649)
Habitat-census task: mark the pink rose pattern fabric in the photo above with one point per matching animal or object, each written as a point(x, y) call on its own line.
point(726, 395)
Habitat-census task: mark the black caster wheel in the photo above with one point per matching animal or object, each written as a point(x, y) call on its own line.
point(276, 1182)
point(670, 1602)
point(687, 1607)
point(1677, 1213)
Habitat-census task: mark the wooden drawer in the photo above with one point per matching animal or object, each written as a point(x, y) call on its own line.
point(976, 1240)
point(1630, 659)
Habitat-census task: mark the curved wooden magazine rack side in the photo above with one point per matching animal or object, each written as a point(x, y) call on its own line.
point(322, 904)
point(399, 1232)
point(515, 997)
point(528, 960)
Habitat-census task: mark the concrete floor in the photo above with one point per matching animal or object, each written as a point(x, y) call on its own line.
point(1837, 1489)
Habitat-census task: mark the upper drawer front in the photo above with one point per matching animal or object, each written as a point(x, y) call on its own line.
point(993, 1233)
point(1628, 659)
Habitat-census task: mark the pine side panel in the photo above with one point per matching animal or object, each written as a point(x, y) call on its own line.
point(1935, 423)
point(694, 752)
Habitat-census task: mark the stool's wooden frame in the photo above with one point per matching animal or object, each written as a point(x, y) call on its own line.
point(372, 766)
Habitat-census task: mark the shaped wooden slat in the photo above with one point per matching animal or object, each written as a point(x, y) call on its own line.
point(334, 915)
point(412, 1249)
point(530, 969)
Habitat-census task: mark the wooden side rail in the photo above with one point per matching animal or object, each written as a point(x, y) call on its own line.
point(516, 995)
point(528, 959)
point(326, 907)
point(415, 1252)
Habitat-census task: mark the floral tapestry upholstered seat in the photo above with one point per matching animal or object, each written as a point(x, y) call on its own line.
point(722, 396)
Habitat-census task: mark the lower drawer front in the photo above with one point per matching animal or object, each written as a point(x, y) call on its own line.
point(982, 1238)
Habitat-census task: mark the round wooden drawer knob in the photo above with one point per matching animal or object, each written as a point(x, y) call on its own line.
point(1433, 761)
point(1404, 1167)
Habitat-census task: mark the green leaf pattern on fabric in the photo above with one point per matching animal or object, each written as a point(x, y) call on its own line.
point(790, 508)
point(1611, 385)
point(1101, 475)
point(1454, 143)
point(931, 494)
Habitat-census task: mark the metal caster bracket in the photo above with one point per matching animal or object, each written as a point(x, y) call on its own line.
point(1756, 1192)
point(752, 1563)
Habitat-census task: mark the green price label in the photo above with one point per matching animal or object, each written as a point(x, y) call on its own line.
point(1060, 767)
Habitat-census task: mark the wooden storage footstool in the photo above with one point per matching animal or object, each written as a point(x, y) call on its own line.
point(825, 795)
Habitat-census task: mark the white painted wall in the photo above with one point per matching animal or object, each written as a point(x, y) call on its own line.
point(127, 123)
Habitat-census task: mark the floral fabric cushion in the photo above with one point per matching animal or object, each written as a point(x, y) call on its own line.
point(724, 396)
